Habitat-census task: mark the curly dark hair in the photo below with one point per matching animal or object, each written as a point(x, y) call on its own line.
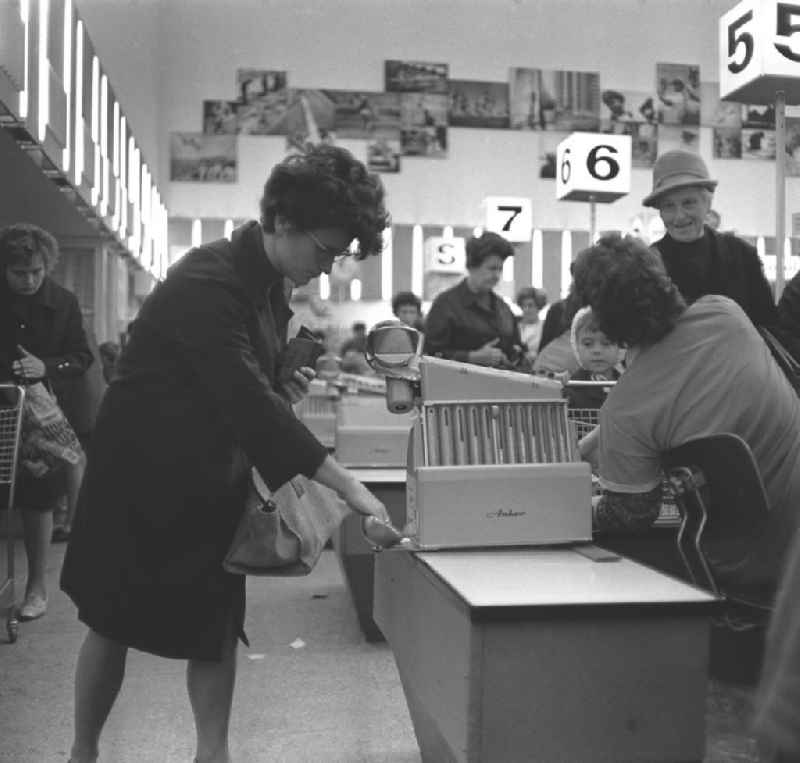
point(631, 295)
point(486, 245)
point(327, 187)
point(405, 298)
point(21, 241)
point(539, 296)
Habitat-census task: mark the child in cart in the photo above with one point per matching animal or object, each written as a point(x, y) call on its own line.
point(598, 358)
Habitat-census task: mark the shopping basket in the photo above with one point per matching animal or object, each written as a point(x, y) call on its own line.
point(11, 400)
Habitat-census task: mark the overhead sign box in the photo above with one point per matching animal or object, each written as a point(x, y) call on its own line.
point(759, 52)
point(593, 167)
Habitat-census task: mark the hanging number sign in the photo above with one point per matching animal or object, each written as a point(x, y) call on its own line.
point(593, 167)
point(510, 216)
point(759, 52)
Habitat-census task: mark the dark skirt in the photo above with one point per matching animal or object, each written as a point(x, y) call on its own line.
point(147, 572)
point(35, 494)
point(172, 621)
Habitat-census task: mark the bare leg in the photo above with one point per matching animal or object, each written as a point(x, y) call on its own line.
point(210, 687)
point(37, 527)
point(98, 677)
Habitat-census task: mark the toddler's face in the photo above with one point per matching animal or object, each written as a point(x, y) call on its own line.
point(596, 353)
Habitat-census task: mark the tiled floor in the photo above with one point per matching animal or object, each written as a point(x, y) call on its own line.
point(332, 698)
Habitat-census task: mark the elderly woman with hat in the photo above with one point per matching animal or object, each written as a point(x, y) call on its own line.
point(699, 259)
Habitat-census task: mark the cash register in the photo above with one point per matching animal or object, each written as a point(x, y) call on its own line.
point(491, 460)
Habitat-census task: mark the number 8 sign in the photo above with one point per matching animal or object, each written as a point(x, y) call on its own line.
point(593, 167)
point(759, 52)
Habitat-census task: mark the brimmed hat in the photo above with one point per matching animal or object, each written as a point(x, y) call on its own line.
point(678, 169)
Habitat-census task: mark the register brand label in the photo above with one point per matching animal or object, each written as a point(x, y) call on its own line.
point(505, 513)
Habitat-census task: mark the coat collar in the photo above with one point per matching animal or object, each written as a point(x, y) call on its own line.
point(470, 298)
point(45, 297)
point(256, 272)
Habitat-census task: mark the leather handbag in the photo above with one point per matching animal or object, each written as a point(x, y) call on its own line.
point(282, 533)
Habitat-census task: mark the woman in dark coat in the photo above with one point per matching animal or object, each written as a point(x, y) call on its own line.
point(41, 340)
point(195, 401)
point(469, 322)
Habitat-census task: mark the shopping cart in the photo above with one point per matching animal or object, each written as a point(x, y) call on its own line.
point(584, 420)
point(11, 400)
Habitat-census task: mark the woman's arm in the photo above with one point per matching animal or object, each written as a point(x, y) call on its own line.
point(74, 356)
point(626, 512)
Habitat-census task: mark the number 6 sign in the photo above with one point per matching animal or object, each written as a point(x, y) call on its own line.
point(759, 52)
point(593, 167)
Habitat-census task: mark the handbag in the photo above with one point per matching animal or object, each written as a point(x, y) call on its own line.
point(282, 533)
point(46, 437)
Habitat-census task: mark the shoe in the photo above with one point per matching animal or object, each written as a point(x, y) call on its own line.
point(60, 535)
point(33, 607)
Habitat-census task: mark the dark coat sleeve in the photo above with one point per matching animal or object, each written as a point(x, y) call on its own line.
point(73, 356)
point(439, 327)
point(789, 307)
point(209, 327)
point(761, 304)
point(552, 327)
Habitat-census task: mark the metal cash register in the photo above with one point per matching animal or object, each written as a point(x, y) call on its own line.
point(491, 457)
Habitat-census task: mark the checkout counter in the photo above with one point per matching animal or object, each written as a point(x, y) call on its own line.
point(516, 638)
point(372, 443)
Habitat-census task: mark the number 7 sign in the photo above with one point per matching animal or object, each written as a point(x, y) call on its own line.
point(759, 52)
point(510, 216)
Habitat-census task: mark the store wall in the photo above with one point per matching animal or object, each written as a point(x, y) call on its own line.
point(166, 57)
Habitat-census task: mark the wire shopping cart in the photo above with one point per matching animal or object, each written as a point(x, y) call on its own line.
point(11, 400)
point(584, 420)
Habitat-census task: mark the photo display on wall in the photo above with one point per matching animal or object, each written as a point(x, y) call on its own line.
point(415, 77)
point(423, 124)
point(358, 114)
point(630, 112)
point(420, 103)
point(678, 94)
point(479, 104)
point(384, 147)
point(793, 146)
point(263, 101)
point(220, 117)
point(200, 158)
point(543, 99)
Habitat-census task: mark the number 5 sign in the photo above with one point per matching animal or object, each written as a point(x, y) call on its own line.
point(593, 167)
point(759, 52)
point(510, 216)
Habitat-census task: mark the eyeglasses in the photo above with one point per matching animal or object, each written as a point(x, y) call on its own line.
point(330, 251)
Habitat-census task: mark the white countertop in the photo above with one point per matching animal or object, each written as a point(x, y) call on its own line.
point(379, 475)
point(554, 577)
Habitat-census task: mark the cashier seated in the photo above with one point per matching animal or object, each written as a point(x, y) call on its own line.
point(691, 372)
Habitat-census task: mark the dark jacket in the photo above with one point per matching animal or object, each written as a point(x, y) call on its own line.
point(195, 401)
point(736, 272)
point(48, 325)
point(555, 323)
point(457, 324)
point(588, 397)
point(789, 317)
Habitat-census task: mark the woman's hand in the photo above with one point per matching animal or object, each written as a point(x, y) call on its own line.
point(350, 490)
point(29, 366)
point(297, 388)
point(488, 355)
point(363, 502)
